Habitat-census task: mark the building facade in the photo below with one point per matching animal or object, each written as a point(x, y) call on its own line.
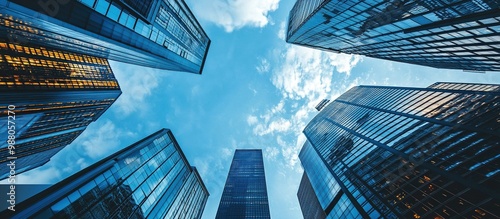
point(309, 203)
point(149, 179)
point(50, 97)
point(460, 34)
point(394, 152)
point(153, 33)
point(245, 192)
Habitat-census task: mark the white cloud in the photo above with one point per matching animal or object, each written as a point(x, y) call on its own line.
point(251, 120)
point(271, 153)
point(226, 152)
point(235, 14)
point(275, 126)
point(100, 139)
point(282, 31)
point(304, 77)
point(264, 66)
point(307, 73)
point(136, 83)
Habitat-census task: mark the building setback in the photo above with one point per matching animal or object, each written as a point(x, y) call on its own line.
point(245, 192)
point(396, 152)
point(152, 33)
point(149, 179)
point(460, 34)
point(51, 96)
point(309, 203)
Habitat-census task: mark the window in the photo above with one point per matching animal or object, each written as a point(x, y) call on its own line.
point(87, 187)
point(114, 12)
point(89, 3)
point(73, 197)
point(102, 6)
point(59, 206)
point(131, 22)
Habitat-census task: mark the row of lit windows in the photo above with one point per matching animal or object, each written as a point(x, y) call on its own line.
point(60, 84)
point(41, 51)
point(73, 70)
point(40, 68)
point(8, 21)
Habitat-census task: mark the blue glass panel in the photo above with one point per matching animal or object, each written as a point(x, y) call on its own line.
point(59, 206)
point(123, 20)
point(102, 6)
point(74, 196)
point(87, 187)
point(114, 12)
point(89, 3)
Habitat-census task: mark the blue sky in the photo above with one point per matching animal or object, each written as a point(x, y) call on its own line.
point(256, 91)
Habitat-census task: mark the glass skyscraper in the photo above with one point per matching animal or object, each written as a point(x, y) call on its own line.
point(52, 97)
point(397, 152)
point(149, 179)
point(245, 192)
point(160, 34)
point(459, 34)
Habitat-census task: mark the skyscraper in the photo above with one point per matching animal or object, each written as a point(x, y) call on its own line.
point(460, 34)
point(149, 179)
point(245, 192)
point(48, 98)
point(152, 33)
point(397, 152)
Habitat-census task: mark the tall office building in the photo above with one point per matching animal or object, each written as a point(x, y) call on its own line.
point(460, 34)
point(245, 192)
point(153, 33)
point(149, 179)
point(52, 97)
point(394, 152)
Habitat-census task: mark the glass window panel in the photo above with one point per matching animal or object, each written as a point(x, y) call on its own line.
point(131, 22)
point(99, 179)
point(74, 196)
point(114, 12)
point(87, 187)
point(59, 206)
point(123, 18)
point(47, 213)
point(102, 6)
point(89, 3)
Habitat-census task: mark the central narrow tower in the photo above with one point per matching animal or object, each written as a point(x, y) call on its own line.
point(245, 193)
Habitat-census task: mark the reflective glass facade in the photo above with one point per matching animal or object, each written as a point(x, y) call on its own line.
point(160, 34)
point(308, 201)
point(149, 179)
point(245, 192)
point(392, 152)
point(459, 34)
point(56, 95)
